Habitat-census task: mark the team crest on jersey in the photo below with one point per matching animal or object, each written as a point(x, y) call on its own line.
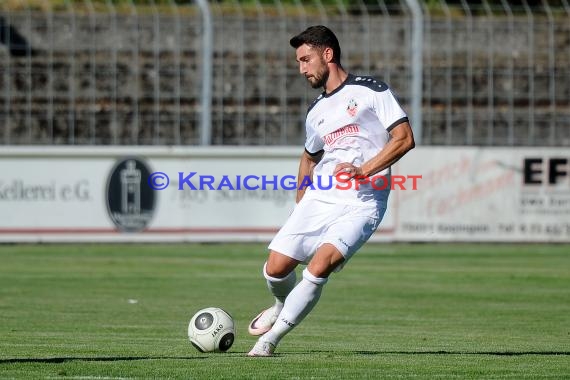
point(352, 108)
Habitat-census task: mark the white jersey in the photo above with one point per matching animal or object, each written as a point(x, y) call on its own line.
point(351, 124)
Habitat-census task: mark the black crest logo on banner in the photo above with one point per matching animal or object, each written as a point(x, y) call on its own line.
point(130, 201)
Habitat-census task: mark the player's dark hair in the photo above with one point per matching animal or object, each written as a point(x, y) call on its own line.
point(318, 36)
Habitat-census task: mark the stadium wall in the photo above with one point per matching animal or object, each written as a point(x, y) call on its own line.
point(103, 194)
point(494, 73)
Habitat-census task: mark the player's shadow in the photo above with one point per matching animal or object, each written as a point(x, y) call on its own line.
point(443, 352)
point(57, 360)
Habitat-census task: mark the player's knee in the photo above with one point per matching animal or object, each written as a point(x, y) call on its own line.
point(324, 266)
point(279, 265)
point(273, 272)
point(326, 260)
point(318, 271)
point(307, 275)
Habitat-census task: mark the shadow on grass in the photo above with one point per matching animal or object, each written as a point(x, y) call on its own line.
point(489, 353)
point(97, 359)
point(56, 360)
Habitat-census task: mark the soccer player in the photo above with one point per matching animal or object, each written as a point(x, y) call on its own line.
point(355, 130)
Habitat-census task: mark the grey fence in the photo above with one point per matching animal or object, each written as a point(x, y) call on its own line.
point(112, 73)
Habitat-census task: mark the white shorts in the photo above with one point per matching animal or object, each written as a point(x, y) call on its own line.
point(314, 223)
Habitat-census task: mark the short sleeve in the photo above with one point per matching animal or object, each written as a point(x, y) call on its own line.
point(313, 143)
point(388, 110)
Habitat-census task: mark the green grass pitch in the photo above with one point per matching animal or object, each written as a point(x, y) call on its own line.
point(430, 311)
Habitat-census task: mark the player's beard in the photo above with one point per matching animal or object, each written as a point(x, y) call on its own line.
point(320, 78)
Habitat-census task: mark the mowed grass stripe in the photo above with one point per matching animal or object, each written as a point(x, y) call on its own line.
point(395, 311)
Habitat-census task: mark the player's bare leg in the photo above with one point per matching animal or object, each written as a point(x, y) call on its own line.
point(279, 272)
point(326, 260)
point(301, 300)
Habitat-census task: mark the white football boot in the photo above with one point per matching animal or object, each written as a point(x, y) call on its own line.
point(263, 322)
point(262, 349)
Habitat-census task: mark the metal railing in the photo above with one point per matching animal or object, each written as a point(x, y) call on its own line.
point(103, 72)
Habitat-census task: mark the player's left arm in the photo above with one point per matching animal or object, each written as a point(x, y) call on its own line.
point(306, 167)
point(401, 142)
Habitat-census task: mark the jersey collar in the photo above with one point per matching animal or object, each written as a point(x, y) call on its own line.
point(349, 77)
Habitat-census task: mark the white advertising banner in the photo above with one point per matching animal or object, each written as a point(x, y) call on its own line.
point(486, 194)
point(246, 193)
point(104, 194)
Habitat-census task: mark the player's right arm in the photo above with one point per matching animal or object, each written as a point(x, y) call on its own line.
point(305, 175)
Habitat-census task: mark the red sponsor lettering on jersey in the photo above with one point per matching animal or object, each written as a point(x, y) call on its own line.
point(347, 130)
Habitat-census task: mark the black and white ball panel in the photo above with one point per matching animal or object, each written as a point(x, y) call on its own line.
point(226, 342)
point(204, 321)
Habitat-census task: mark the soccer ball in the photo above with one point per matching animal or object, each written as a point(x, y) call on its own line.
point(211, 330)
